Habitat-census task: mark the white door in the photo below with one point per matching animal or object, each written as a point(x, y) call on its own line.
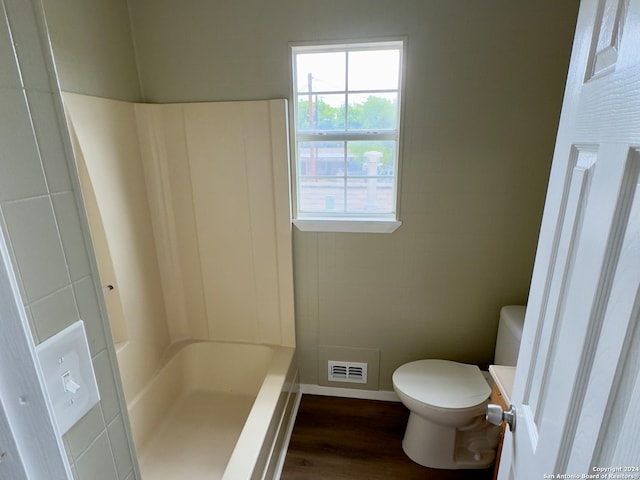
point(577, 385)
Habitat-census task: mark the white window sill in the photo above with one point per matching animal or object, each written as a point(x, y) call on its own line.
point(351, 225)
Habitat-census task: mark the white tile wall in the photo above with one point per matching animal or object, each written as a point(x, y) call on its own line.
point(107, 386)
point(33, 236)
point(21, 173)
point(43, 116)
point(85, 432)
point(40, 218)
point(9, 76)
point(54, 313)
point(90, 312)
point(26, 25)
point(97, 462)
point(118, 441)
point(67, 215)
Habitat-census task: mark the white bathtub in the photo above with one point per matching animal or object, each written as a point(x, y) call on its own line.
point(216, 411)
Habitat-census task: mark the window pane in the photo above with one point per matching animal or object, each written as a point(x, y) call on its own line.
point(371, 158)
point(375, 163)
point(320, 112)
point(321, 169)
point(373, 112)
point(370, 195)
point(374, 70)
point(325, 195)
point(320, 159)
point(321, 72)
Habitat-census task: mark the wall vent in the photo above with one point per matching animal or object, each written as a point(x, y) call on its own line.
point(352, 372)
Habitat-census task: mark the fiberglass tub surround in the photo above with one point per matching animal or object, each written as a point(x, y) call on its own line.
point(189, 212)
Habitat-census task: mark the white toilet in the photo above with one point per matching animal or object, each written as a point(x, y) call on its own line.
point(447, 403)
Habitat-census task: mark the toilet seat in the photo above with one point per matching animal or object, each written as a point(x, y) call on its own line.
point(442, 384)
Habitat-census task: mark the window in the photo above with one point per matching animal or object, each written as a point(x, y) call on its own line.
point(347, 128)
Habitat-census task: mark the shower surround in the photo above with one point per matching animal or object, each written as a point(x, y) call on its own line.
point(189, 212)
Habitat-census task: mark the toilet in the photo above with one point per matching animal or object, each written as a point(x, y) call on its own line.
point(447, 402)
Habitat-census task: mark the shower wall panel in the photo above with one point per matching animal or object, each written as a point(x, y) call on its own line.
point(218, 183)
point(190, 214)
point(232, 173)
point(106, 151)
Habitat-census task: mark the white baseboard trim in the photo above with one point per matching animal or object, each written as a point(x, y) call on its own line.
point(385, 395)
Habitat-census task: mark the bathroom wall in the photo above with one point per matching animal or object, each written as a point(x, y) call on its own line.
point(484, 86)
point(42, 221)
point(483, 92)
point(98, 51)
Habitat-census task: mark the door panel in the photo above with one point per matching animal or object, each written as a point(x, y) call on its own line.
point(609, 26)
point(576, 386)
point(570, 226)
point(615, 361)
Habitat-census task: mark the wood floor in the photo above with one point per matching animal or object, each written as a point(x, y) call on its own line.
point(344, 438)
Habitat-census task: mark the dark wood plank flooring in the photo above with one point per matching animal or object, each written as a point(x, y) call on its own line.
point(345, 438)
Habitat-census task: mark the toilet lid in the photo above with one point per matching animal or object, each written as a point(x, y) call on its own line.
point(442, 383)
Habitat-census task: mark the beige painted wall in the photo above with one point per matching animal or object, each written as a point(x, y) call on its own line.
point(98, 51)
point(484, 87)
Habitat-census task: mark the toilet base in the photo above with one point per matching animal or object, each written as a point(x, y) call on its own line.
point(437, 446)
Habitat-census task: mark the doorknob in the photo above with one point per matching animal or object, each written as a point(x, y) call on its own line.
point(496, 415)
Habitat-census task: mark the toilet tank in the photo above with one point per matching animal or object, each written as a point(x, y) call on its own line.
point(509, 335)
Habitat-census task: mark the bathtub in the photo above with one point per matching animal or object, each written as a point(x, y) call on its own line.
point(216, 411)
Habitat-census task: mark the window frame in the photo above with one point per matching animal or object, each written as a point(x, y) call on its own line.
point(374, 222)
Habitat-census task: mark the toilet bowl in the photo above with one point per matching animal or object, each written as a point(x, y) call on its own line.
point(447, 402)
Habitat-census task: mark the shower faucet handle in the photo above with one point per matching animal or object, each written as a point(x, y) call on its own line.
point(496, 415)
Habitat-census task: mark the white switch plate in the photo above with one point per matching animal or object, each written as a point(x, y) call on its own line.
point(66, 364)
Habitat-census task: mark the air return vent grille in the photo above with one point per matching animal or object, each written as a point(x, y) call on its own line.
point(351, 372)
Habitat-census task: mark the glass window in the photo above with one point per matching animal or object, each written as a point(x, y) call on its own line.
point(347, 130)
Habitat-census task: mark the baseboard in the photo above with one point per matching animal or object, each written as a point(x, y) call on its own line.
point(385, 395)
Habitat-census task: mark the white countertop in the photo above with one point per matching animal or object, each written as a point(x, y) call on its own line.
point(503, 376)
